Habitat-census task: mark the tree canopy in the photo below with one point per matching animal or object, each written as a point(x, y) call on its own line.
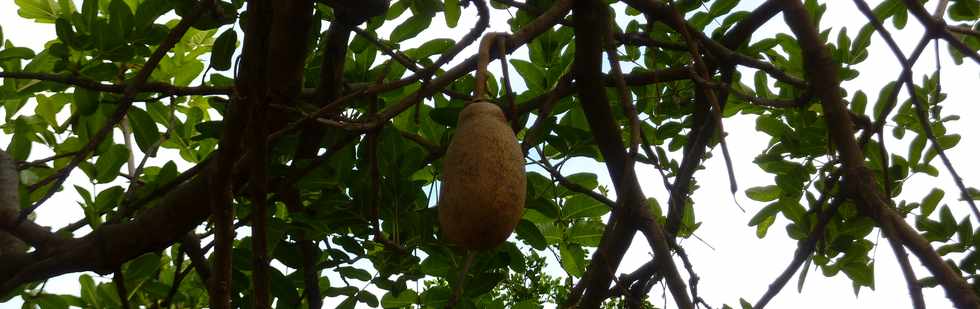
point(313, 145)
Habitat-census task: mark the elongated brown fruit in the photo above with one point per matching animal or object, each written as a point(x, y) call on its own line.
point(483, 185)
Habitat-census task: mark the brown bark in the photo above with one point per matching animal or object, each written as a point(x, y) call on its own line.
point(591, 18)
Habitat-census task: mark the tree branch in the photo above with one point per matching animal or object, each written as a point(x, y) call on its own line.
point(821, 71)
point(94, 85)
point(937, 28)
point(591, 28)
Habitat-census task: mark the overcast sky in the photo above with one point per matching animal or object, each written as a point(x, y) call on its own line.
point(737, 264)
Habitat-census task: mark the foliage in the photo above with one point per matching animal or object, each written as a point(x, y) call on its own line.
point(351, 191)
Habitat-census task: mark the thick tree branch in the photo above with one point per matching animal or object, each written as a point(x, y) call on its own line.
point(591, 28)
point(191, 245)
point(250, 91)
point(327, 91)
point(915, 290)
point(703, 75)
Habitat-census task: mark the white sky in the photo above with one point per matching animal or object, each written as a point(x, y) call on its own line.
point(740, 265)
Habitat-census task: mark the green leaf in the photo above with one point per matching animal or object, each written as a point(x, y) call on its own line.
point(760, 231)
point(965, 232)
point(452, 12)
point(188, 72)
point(582, 206)
point(108, 165)
point(862, 274)
point(527, 304)
point(771, 125)
point(120, 17)
point(142, 267)
point(586, 233)
point(930, 202)
point(144, 129)
point(533, 75)
point(900, 18)
point(948, 141)
point(745, 304)
point(859, 102)
point(65, 33)
point(843, 41)
point(915, 149)
point(48, 108)
point(20, 145)
point(721, 7)
point(108, 199)
point(436, 297)
point(965, 10)
point(572, 259)
point(792, 209)
point(337, 291)
point(410, 28)
point(208, 129)
point(367, 298)
point(355, 273)
point(586, 180)
point(405, 298)
point(88, 291)
point(42, 11)
point(148, 12)
point(51, 301)
point(224, 48)
point(16, 53)
point(762, 84)
point(436, 265)
point(90, 12)
point(766, 212)
point(433, 47)
point(882, 101)
point(283, 288)
point(946, 218)
point(86, 101)
point(764, 193)
point(529, 233)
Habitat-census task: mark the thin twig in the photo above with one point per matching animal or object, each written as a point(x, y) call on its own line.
point(543, 163)
point(702, 71)
point(94, 85)
point(461, 280)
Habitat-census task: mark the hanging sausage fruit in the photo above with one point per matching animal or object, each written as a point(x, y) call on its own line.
point(483, 184)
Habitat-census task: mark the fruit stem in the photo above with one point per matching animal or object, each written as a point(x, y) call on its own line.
point(458, 289)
